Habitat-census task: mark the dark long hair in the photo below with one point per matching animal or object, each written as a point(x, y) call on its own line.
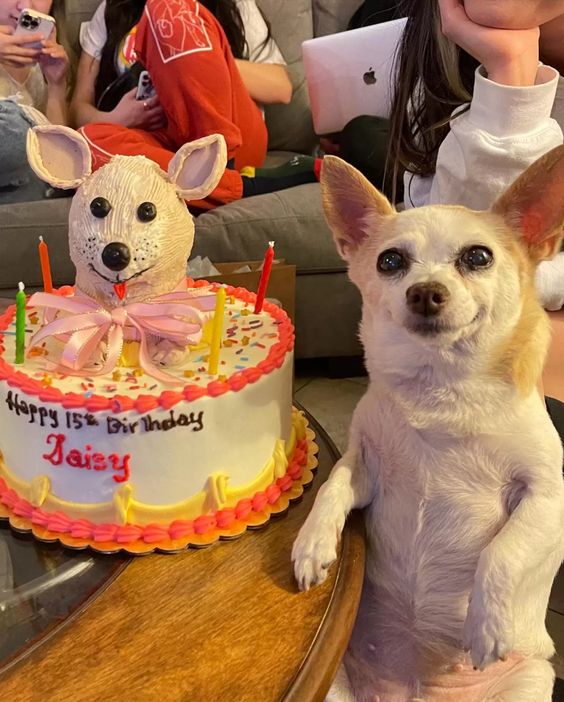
point(122, 15)
point(434, 78)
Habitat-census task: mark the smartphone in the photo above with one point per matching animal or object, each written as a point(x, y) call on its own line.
point(33, 22)
point(145, 87)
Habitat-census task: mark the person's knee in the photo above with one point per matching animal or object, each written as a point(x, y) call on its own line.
point(13, 135)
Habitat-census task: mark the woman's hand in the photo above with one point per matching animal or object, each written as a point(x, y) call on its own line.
point(54, 62)
point(510, 56)
point(141, 114)
point(15, 50)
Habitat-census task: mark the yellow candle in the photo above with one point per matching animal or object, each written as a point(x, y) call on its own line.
point(217, 331)
point(20, 324)
point(45, 266)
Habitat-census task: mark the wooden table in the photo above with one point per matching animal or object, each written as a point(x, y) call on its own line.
point(225, 623)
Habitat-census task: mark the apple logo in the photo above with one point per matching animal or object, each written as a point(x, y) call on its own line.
point(369, 77)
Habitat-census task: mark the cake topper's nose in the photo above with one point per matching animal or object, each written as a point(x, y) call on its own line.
point(116, 256)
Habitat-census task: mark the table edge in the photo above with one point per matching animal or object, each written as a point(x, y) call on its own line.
point(314, 678)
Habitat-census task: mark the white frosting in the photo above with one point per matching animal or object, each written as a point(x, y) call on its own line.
point(234, 433)
point(238, 437)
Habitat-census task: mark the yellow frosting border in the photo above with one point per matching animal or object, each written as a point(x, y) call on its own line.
point(125, 509)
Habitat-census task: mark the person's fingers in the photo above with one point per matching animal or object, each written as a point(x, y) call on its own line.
point(453, 15)
point(154, 114)
point(152, 102)
point(21, 52)
point(4, 29)
point(18, 63)
point(56, 52)
point(23, 40)
point(159, 123)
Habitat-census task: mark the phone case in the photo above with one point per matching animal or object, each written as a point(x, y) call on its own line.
point(145, 87)
point(33, 22)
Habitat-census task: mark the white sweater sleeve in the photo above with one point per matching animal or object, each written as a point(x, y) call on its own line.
point(504, 130)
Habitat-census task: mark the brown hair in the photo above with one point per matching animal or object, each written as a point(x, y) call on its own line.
point(434, 78)
point(58, 12)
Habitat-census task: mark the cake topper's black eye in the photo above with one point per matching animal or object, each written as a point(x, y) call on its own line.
point(147, 211)
point(477, 257)
point(391, 261)
point(100, 207)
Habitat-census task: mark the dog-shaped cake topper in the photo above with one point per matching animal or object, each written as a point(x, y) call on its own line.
point(130, 236)
point(451, 450)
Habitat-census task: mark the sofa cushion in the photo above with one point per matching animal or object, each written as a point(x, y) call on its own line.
point(76, 12)
point(330, 16)
point(22, 224)
point(293, 218)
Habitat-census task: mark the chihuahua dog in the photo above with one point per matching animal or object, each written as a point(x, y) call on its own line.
point(451, 450)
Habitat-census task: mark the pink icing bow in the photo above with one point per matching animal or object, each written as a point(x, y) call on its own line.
point(178, 316)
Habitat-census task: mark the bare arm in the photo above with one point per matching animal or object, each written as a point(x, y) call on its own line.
point(82, 106)
point(267, 83)
point(56, 109)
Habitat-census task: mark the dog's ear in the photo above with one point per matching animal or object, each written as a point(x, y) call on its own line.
point(197, 167)
point(347, 200)
point(59, 155)
point(534, 205)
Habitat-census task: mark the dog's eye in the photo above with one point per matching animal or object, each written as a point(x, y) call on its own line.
point(100, 207)
point(147, 211)
point(391, 261)
point(477, 257)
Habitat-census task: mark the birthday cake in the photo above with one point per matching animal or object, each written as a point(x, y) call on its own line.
point(143, 418)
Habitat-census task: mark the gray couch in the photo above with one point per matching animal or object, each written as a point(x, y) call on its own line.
point(327, 305)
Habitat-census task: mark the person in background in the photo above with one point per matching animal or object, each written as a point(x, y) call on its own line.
point(33, 89)
point(363, 142)
point(212, 64)
point(479, 97)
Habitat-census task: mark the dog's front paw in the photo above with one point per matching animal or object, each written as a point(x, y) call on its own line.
point(313, 552)
point(488, 630)
point(167, 353)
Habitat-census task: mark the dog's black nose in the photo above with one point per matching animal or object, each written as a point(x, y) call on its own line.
point(427, 299)
point(116, 256)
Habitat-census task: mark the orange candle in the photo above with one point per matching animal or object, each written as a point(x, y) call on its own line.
point(45, 266)
point(265, 275)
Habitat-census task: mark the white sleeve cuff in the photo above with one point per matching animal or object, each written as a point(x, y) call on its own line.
point(506, 110)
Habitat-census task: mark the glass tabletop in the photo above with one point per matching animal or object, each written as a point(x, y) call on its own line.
point(42, 587)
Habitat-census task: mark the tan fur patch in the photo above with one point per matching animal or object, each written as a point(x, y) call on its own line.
point(520, 358)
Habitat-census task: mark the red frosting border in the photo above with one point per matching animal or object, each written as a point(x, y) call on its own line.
point(168, 398)
point(59, 522)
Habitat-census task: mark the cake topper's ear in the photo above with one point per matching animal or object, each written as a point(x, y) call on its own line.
point(198, 166)
point(59, 156)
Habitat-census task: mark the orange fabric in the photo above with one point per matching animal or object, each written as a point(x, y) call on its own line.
point(186, 52)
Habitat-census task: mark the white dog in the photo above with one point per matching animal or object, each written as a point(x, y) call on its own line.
point(451, 450)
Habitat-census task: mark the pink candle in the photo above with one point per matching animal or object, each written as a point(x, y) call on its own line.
point(265, 276)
